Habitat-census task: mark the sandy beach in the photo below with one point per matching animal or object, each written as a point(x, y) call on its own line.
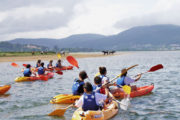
point(54, 57)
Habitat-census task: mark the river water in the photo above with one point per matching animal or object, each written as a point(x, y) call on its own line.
point(30, 100)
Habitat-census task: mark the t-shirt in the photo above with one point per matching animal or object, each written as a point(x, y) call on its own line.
point(99, 98)
point(128, 80)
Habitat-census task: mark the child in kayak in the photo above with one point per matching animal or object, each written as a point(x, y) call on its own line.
point(97, 87)
point(58, 64)
point(50, 65)
point(90, 100)
point(103, 72)
point(77, 88)
point(125, 80)
point(38, 64)
point(27, 72)
point(41, 69)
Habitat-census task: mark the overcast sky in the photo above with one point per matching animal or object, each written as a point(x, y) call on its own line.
point(62, 18)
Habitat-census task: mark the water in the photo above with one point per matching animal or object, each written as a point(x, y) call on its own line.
point(30, 100)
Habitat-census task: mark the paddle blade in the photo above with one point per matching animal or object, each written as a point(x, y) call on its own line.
point(156, 67)
point(57, 112)
point(125, 103)
point(24, 65)
point(127, 89)
point(59, 55)
point(97, 74)
point(59, 72)
point(14, 65)
point(72, 61)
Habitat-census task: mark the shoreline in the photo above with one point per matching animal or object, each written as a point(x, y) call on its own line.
point(54, 57)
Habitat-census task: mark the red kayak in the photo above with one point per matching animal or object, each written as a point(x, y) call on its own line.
point(64, 68)
point(139, 92)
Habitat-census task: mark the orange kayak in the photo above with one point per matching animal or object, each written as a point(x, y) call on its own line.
point(4, 89)
point(139, 92)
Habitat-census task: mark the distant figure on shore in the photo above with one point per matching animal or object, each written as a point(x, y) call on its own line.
point(112, 52)
point(33, 52)
point(105, 52)
point(62, 53)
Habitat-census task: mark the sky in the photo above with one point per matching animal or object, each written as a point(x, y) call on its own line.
point(62, 18)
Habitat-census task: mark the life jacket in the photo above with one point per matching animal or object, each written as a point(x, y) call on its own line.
point(120, 81)
point(27, 72)
point(101, 90)
point(41, 70)
point(76, 85)
point(49, 65)
point(89, 102)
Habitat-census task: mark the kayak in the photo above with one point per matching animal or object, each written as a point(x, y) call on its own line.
point(4, 89)
point(110, 111)
point(139, 92)
point(33, 78)
point(64, 68)
point(64, 99)
point(69, 98)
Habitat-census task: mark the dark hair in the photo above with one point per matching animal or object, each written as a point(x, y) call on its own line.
point(59, 60)
point(124, 72)
point(83, 75)
point(42, 64)
point(88, 87)
point(28, 66)
point(102, 70)
point(39, 61)
point(51, 61)
point(97, 80)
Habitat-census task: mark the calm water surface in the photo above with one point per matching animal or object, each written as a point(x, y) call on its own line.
point(30, 100)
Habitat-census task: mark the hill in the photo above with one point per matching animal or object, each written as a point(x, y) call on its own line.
point(155, 37)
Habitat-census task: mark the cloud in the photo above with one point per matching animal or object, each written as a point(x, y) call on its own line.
point(159, 15)
point(35, 15)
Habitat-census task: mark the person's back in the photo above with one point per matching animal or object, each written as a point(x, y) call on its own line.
point(27, 72)
point(90, 100)
point(103, 72)
point(41, 69)
point(58, 64)
point(97, 87)
point(77, 88)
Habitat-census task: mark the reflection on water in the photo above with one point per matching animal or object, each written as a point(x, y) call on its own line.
point(30, 100)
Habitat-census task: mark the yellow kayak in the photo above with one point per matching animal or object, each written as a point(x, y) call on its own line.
point(110, 111)
point(64, 99)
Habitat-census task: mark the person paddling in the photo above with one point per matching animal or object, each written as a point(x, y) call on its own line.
point(58, 64)
point(125, 80)
point(77, 88)
point(50, 64)
point(90, 100)
point(41, 69)
point(27, 72)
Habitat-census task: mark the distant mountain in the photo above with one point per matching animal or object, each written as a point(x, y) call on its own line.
point(9, 47)
point(155, 37)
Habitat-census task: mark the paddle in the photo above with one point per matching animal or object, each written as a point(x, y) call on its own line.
point(59, 112)
point(24, 65)
point(14, 65)
point(59, 55)
point(154, 68)
point(72, 61)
